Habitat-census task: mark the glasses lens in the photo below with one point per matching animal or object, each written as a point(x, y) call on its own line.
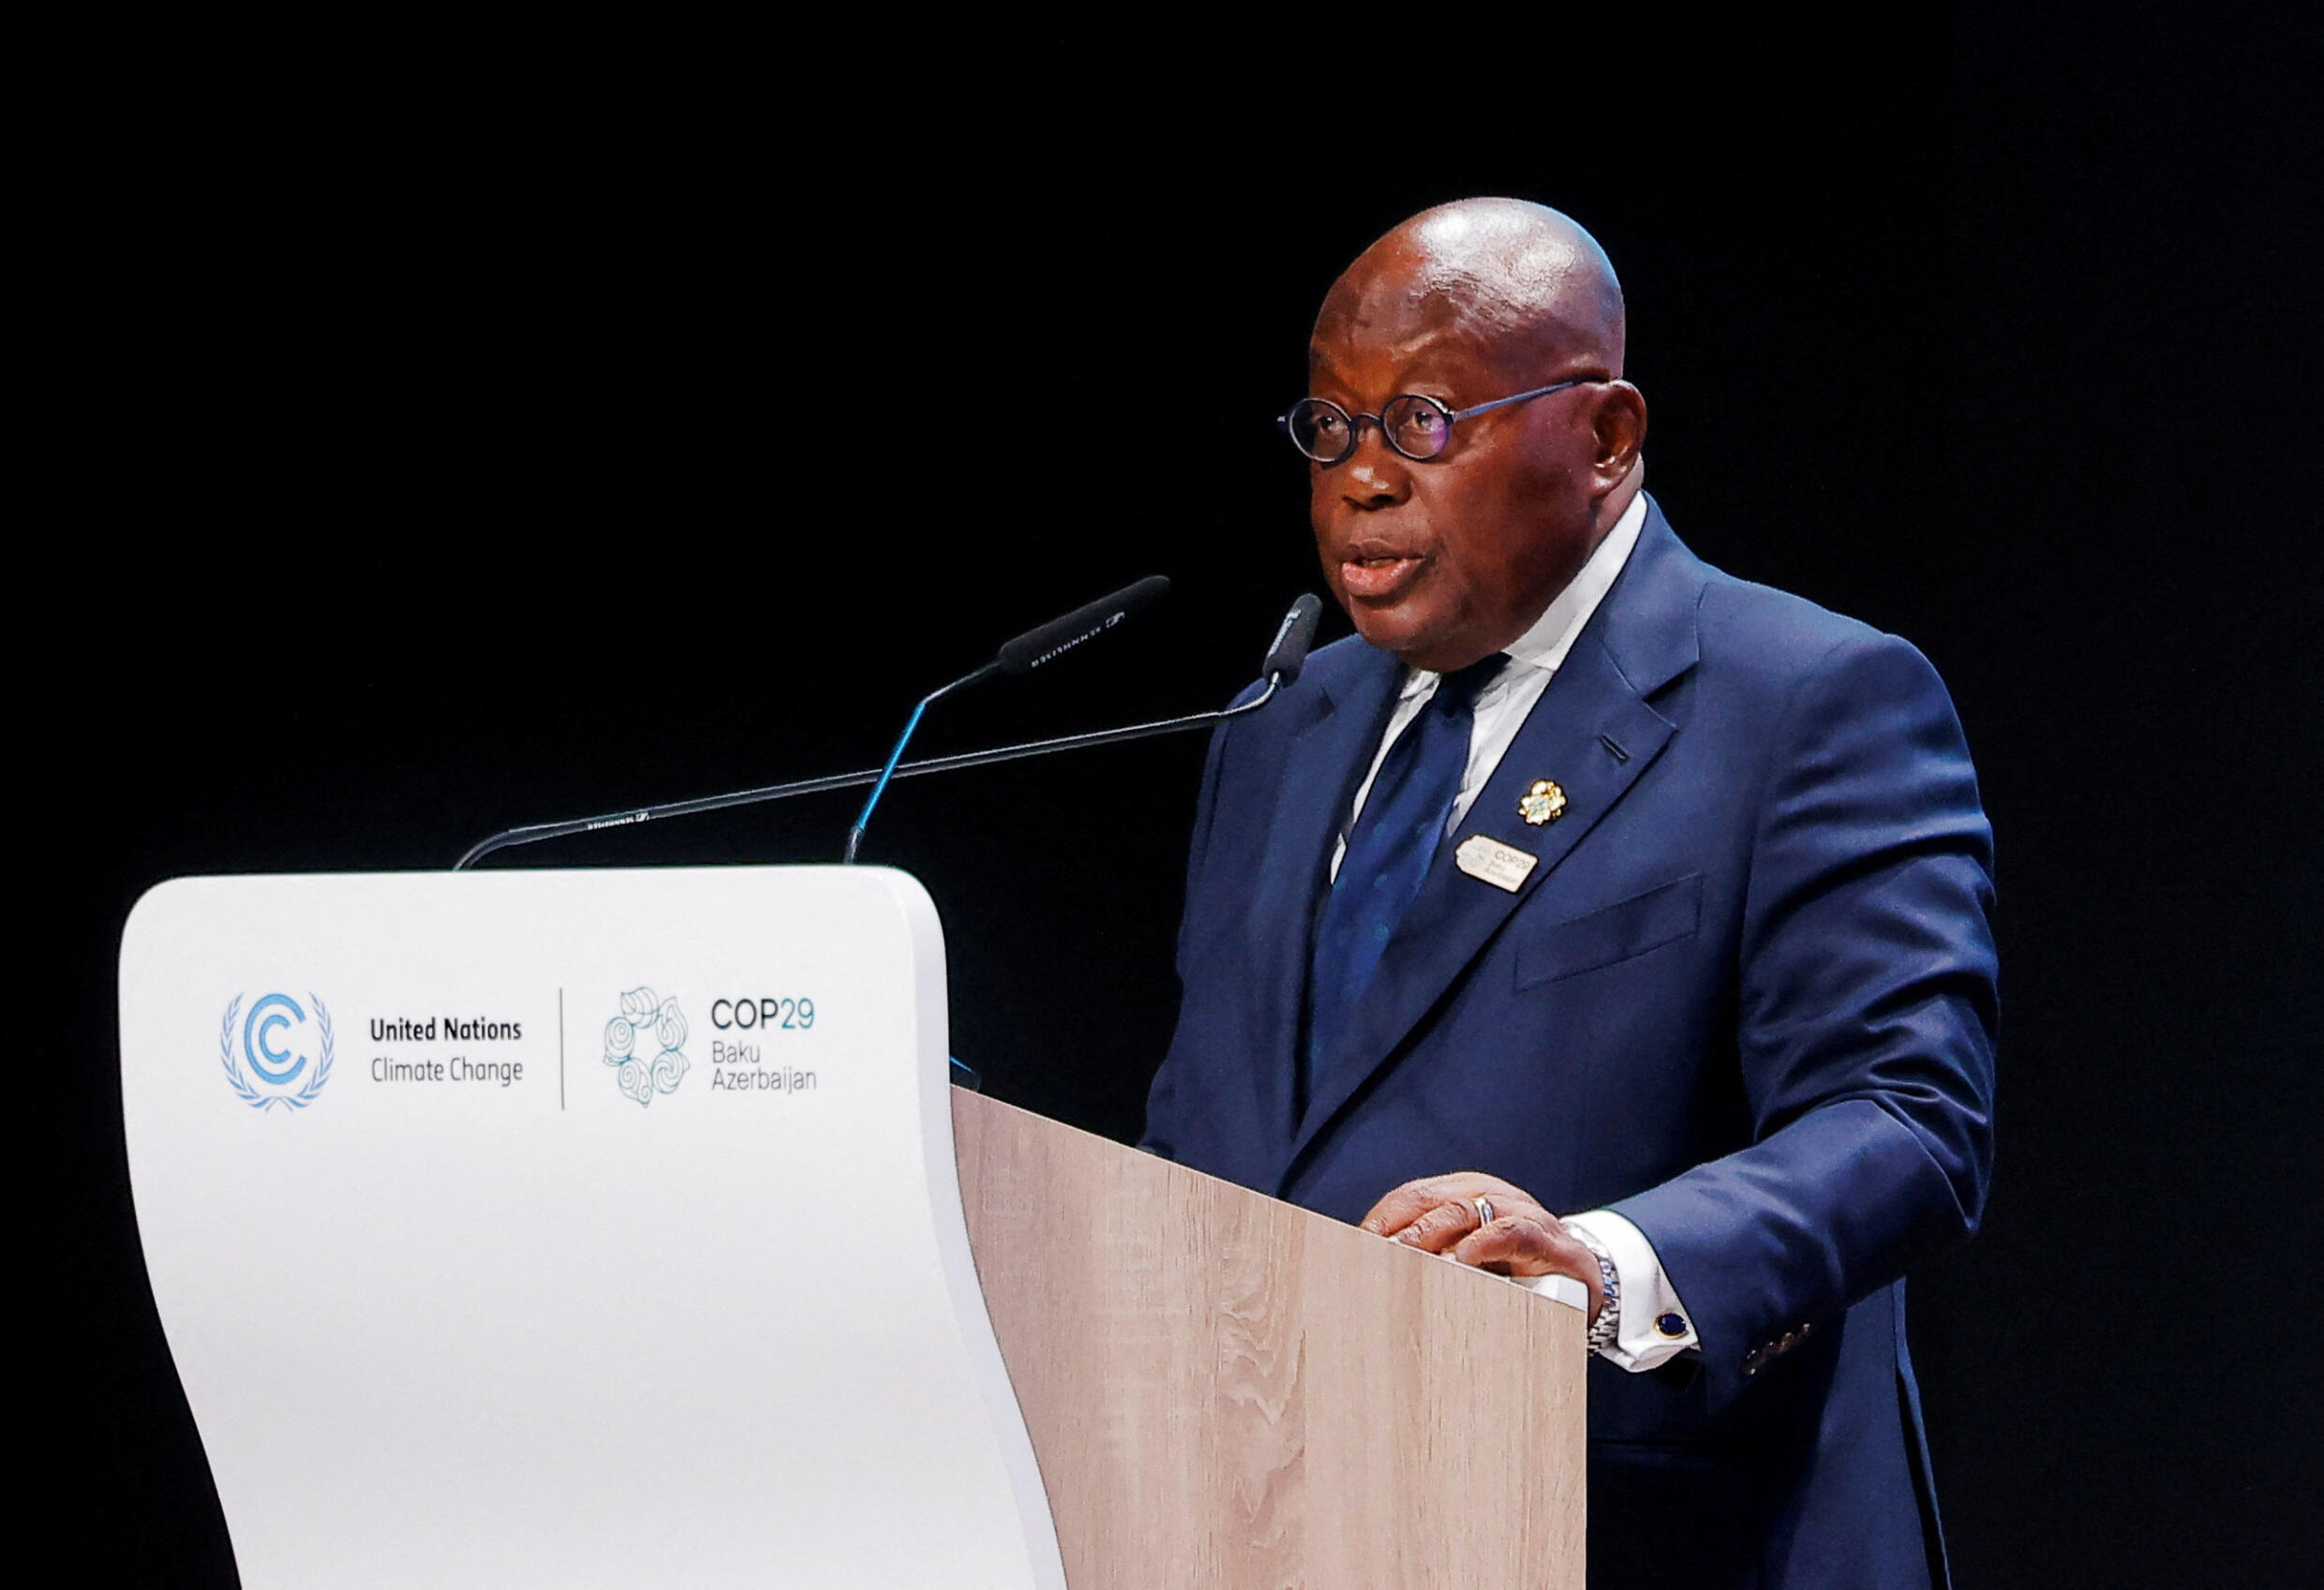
point(1319, 430)
point(1417, 428)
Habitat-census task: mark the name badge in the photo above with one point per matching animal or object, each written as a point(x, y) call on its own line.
point(1504, 867)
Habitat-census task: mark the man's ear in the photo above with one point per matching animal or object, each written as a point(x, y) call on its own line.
point(1618, 422)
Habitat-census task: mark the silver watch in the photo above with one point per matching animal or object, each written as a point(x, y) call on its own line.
point(1608, 1323)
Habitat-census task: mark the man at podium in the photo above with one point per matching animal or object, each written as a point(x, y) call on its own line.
point(1592, 911)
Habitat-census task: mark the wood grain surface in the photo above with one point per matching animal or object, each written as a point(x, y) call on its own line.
point(1226, 1391)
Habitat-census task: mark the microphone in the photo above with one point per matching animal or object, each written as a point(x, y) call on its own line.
point(1019, 657)
point(1285, 656)
point(1036, 648)
point(1293, 637)
point(1285, 659)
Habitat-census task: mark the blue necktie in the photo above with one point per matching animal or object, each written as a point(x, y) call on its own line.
point(1388, 855)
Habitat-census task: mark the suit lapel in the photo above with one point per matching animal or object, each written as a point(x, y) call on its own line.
point(1325, 762)
point(1641, 638)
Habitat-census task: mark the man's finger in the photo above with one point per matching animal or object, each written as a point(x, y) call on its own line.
point(1439, 1228)
point(1517, 1244)
point(1532, 1245)
point(1413, 1199)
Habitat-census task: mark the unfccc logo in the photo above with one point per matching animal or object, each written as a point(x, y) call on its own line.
point(645, 1025)
point(273, 1052)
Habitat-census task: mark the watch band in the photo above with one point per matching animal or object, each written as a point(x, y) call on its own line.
point(1608, 1323)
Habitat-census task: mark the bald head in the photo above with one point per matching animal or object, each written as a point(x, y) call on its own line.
point(1492, 329)
point(1520, 281)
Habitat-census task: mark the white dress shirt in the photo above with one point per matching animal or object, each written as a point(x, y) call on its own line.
point(1502, 707)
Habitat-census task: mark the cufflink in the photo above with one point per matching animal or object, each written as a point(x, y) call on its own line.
point(1670, 1324)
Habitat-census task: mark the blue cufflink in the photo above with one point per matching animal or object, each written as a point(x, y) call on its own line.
point(1670, 1324)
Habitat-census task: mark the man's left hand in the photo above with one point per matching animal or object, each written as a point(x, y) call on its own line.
point(1438, 1214)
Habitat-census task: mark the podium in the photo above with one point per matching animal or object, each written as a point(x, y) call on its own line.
point(622, 1227)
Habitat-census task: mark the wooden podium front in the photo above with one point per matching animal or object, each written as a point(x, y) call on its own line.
point(1225, 1390)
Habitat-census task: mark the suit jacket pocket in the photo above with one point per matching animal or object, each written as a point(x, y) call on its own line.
point(1616, 932)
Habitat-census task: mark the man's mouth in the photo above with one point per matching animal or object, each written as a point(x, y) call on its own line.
point(1379, 575)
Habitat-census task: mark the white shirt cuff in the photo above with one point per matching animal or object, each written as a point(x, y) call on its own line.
point(1650, 1302)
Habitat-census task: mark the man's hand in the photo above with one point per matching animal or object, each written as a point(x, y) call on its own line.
point(1438, 1214)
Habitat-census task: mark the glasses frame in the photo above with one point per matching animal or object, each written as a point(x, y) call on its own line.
point(1452, 417)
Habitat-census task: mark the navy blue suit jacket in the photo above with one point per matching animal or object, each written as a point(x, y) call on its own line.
point(1746, 998)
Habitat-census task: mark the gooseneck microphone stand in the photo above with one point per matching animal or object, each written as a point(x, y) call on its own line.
point(534, 833)
point(1285, 659)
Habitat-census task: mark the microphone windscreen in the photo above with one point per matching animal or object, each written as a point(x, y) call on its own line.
point(1058, 636)
point(1290, 652)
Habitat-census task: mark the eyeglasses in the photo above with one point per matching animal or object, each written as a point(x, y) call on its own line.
point(1416, 427)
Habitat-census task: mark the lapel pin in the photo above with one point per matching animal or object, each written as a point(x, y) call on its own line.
point(1543, 803)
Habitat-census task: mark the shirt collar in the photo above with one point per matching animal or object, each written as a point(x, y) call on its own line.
point(1544, 645)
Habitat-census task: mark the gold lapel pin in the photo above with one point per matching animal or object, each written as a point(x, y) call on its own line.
point(1543, 803)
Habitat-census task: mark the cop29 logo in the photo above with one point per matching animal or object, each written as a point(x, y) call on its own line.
point(275, 1052)
point(645, 1025)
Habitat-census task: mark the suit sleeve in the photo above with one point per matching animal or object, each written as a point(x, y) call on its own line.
point(1159, 1094)
point(1866, 1015)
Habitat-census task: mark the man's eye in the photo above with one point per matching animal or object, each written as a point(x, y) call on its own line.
point(1419, 430)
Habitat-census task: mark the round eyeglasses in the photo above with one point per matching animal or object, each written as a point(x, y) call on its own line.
point(1416, 427)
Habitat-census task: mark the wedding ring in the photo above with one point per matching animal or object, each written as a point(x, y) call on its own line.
point(1484, 1212)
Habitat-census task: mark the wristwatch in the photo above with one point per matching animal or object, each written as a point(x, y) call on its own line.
point(1608, 1323)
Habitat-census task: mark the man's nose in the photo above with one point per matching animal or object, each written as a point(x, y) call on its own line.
point(1376, 474)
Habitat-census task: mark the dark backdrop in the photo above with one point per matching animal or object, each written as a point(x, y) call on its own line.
point(436, 467)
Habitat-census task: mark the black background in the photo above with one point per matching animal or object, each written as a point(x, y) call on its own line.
point(458, 459)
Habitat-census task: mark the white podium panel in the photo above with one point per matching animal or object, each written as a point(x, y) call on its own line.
point(573, 1229)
